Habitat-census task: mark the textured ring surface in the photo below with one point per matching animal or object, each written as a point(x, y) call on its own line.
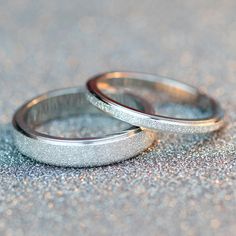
point(79, 152)
point(99, 85)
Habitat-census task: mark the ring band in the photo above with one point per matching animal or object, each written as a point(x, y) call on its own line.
point(99, 85)
point(81, 152)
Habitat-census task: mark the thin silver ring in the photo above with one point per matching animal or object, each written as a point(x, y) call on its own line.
point(107, 81)
point(80, 152)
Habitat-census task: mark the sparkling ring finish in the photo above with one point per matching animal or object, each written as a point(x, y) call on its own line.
point(79, 152)
point(99, 85)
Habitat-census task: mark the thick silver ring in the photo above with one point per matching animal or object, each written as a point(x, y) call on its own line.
point(99, 85)
point(79, 152)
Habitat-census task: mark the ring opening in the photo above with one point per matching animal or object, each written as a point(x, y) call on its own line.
point(170, 99)
point(71, 116)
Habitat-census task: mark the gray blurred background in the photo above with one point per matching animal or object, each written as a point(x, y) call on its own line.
point(184, 185)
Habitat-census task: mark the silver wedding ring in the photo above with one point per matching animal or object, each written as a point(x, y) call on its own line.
point(127, 96)
point(100, 86)
point(81, 152)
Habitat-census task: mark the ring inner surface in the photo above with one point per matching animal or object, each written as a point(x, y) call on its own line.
point(169, 100)
point(72, 116)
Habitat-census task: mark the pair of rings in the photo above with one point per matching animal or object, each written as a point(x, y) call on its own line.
point(126, 96)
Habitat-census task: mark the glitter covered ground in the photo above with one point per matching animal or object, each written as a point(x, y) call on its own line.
point(185, 185)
